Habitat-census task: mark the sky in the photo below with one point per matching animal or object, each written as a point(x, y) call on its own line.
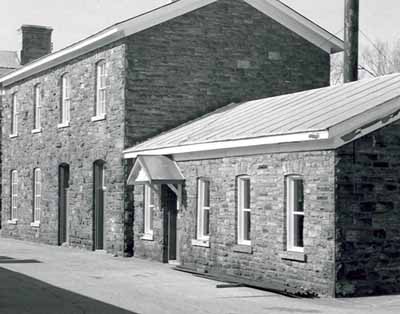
point(73, 20)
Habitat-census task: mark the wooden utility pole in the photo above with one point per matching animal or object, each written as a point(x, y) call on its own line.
point(351, 27)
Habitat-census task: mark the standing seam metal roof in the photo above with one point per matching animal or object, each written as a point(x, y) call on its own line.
point(313, 110)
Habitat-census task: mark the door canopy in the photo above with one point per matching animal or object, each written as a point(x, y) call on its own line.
point(155, 170)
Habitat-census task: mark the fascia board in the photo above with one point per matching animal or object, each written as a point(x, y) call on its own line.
point(299, 24)
point(243, 143)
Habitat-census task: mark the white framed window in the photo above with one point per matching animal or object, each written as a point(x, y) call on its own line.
point(244, 210)
point(203, 210)
point(37, 194)
point(37, 108)
point(101, 91)
point(65, 101)
point(295, 213)
point(14, 195)
point(148, 210)
point(14, 115)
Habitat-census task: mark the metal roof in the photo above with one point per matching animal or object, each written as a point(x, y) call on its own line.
point(9, 59)
point(272, 8)
point(318, 110)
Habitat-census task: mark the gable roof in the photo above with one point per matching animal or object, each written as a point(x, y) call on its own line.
point(273, 8)
point(337, 115)
point(8, 61)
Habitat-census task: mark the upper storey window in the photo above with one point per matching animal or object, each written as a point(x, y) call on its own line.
point(37, 108)
point(65, 101)
point(14, 115)
point(101, 89)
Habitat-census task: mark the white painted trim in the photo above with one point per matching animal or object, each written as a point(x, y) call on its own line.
point(201, 243)
point(98, 118)
point(12, 221)
point(35, 131)
point(147, 237)
point(63, 125)
point(212, 146)
point(35, 224)
point(13, 135)
point(279, 12)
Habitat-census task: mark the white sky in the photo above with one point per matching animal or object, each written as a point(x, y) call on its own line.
point(73, 20)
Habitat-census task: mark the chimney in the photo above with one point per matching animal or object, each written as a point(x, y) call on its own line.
point(351, 25)
point(36, 42)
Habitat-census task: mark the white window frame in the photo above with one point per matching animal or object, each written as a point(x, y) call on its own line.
point(291, 212)
point(101, 91)
point(37, 108)
point(148, 212)
point(242, 209)
point(65, 101)
point(37, 194)
point(14, 195)
point(202, 209)
point(14, 115)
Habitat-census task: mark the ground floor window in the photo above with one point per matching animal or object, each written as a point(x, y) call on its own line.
point(244, 210)
point(148, 209)
point(295, 213)
point(203, 210)
point(14, 194)
point(37, 194)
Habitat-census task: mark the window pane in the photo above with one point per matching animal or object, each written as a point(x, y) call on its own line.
point(246, 193)
point(206, 193)
point(298, 194)
point(298, 230)
point(151, 210)
point(206, 222)
point(246, 225)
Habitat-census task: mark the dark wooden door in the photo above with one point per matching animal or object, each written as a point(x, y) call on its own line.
point(169, 202)
point(63, 184)
point(98, 200)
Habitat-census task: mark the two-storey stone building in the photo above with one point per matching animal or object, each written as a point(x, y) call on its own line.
point(68, 116)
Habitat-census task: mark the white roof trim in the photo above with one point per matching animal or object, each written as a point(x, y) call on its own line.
point(202, 147)
point(273, 8)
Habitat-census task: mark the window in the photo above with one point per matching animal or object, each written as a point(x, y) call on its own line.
point(14, 194)
point(14, 115)
point(65, 101)
point(37, 191)
point(37, 107)
point(295, 213)
point(100, 108)
point(244, 210)
point(148, 210)
point(203, 210)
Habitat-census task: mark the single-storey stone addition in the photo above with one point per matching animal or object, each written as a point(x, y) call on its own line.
point(298, 193)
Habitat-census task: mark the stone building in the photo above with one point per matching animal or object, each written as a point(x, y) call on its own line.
point(68, 116)
point(297, 193)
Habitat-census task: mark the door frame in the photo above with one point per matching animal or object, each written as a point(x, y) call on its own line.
point(63, 185)
point(170, 218)
point(98, 187)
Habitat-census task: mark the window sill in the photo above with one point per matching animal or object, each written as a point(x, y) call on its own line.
point(202, 243)
point(35, 224)
point(294, 256)
point(63, 125)
point(147, 237)
point(12, 222)
point(36, 131)
point(13, 135)
point(98, 118)
point(241, 248)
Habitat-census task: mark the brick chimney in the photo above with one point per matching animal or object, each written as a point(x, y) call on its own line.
point(36, 42)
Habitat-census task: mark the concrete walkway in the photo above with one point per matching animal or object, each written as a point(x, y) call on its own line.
point(56, 280)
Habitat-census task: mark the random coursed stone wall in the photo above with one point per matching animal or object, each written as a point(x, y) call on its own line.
point(368, 214)
point(78, 145)
point(225, 52)
point(268, 263)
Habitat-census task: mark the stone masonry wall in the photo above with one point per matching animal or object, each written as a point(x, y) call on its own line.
point(368, 214)
point(269, 264)
point(222, 53)
point(78, 145)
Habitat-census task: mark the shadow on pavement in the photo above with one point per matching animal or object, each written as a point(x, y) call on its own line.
point(20, 294)
point(10, 260)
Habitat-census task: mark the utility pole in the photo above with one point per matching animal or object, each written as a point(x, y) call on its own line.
point(351, 27)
